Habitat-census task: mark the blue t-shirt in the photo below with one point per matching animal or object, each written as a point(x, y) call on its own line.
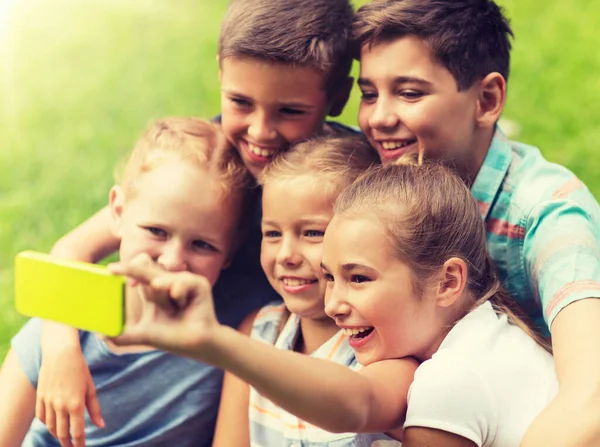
point(151, 398)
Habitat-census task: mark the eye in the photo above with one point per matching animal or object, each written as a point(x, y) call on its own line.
point(240, 102)
point(411, 94)
point(368, 97)
point(328, 277)
point(359, 279)
point(271, 234)
point(313, 233)
point(202, 245)
point(290, 111)
point(156, 232)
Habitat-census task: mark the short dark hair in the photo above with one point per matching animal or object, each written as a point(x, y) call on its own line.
point(471, 38)
point(313, 33)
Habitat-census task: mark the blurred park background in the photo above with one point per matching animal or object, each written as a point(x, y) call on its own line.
point(80, 80)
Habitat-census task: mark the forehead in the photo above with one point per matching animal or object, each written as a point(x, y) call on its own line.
point(354, 239)
point(292, 199)
point(272, 82)
point(402, 57)
point(183, 195)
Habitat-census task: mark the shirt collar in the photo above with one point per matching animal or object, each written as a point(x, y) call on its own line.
point(492, 172)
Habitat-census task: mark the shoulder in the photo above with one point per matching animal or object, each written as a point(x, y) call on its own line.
point(537, 183)
point(449, 396)
point(267, 322)
point(335, 128)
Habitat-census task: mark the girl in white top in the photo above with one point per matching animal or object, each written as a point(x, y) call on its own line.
point(299, 191)
point(409, 276)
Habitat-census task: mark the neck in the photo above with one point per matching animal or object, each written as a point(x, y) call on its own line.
point(445, 319)
point(314, 333)
point(479, 149)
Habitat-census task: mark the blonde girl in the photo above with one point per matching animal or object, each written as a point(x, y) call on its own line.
point(409, 276)
point(299, 191)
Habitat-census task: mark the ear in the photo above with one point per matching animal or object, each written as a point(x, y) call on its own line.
point(340, 97)
point(492, 96)
point(452, 283)
point(116, 200)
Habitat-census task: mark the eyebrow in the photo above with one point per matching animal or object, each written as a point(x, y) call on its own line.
point(302, 222)
point(397, 80)
point(351, 266)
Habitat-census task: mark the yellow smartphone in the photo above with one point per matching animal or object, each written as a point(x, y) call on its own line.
point(82, 295)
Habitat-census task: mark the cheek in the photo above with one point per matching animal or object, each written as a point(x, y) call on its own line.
point(209, 267)
point(134, 242)
point(268, 254)
point(364, 112)
point(231, 122)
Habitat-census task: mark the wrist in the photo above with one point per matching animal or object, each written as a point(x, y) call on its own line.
point(57, 337)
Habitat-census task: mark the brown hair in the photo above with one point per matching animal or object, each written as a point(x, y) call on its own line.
point(198, 143)
point(332, 161)
point(471, 38)
point(430, 216)
point(312, 33)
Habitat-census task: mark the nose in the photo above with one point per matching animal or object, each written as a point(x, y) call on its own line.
point(383, 115)
point(172, 257)
point(261, 127)
point(288, 254)
point(336, 306)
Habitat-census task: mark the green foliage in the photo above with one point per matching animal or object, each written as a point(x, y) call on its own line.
point(80, 80)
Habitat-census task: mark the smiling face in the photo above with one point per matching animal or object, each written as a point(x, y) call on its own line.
point(410, 101)
point(268, 106)
point(370, 294)
point(295, 216)
point(177, 214)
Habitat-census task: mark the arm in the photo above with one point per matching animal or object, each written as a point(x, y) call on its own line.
point(573, 417)
point(65, 387)
point(233, 410)
point(561, 255)
point(429, 437)
point(321, 392)
point(18, 403)
point(91, 241)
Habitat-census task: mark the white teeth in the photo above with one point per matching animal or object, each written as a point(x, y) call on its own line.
point(355, 330)
point(261, 151)
point(293, 282)
point(390, 145)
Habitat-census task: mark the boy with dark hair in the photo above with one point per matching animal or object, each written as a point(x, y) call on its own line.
point(433, 77)
point(277, 88)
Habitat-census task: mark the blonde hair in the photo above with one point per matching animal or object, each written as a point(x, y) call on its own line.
point(429, 216)
point(195, 141)
point(331, 161)
point(198, 143)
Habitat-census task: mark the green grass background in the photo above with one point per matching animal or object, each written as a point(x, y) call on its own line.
point(80, 80)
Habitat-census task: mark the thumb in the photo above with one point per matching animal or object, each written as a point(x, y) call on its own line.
point(93, 406)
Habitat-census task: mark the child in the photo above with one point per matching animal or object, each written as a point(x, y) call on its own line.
point(433, 76)
point(277, 88)
point(409, 275)
point(180, 202)
point(299, 190)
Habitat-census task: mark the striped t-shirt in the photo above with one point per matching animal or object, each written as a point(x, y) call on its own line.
point(543, 229)
point(270, 425)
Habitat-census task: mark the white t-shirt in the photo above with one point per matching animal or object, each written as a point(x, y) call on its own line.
point(487, 382)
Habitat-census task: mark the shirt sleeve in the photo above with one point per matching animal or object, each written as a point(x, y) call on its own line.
point(453, 399)
point(561, 252)
point(27, 347)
